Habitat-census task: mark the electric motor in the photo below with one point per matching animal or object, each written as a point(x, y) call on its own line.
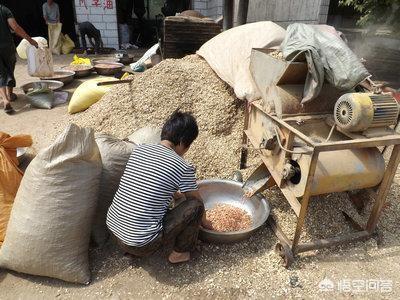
point(355, 112)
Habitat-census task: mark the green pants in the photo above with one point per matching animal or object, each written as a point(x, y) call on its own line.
point(181, 228)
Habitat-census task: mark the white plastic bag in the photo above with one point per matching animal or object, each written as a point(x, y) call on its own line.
point(41, 98)
point(148, 54)
point(40, 62)
point(24, 44)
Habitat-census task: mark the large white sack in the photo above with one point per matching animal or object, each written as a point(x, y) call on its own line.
point(228, 54)
point(49, 229)
point(114, 156)
point(40, 62)
point(54, 33)
point(146, 135)
point(23, 46)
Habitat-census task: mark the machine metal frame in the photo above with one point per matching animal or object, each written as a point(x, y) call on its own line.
point(287, 248)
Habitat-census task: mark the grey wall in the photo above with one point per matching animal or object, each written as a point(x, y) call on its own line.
point(282, 12)
point(285, 12)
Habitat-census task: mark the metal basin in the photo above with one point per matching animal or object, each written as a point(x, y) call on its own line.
point(125, 60)
point(108, 60)
point(80, 73)
point(219, 191)
point(65, 76)
point(51, 84)
point(108, 68)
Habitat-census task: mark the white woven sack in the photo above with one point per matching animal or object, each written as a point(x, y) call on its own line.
point(228, 54)
point(40, 62)
point(146, 135)
point(114, 156)
point(49, 229)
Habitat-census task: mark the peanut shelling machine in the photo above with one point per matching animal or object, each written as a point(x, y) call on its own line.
point(325, 146)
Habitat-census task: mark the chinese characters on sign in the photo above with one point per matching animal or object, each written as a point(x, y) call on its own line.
point(356, 285)
point(96, 3)
point(106, 4)
point(83, 3)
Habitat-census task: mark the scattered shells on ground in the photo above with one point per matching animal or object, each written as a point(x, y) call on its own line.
point(249, 269)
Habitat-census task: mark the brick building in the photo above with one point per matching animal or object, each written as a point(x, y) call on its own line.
point(103, 15)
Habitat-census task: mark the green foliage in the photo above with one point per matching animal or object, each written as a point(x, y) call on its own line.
point(376, 12)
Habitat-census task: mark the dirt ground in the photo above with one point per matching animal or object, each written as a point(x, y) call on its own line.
point(249, 269)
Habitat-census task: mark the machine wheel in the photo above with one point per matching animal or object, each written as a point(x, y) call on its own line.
point(285, 253)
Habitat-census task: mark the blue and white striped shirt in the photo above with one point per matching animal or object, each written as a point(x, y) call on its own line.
point(151, 177)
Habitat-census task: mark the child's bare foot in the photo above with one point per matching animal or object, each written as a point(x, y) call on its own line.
point(178, 257)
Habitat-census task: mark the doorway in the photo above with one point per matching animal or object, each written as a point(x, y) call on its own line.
point(29, 15)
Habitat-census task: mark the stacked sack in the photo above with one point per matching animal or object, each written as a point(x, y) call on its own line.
point(63, 199)
point(49, 228)
point(114, 156)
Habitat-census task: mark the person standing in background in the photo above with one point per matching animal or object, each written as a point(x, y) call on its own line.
point(124, 16)
point(51, 12)
point(51, 15)
point(7, 56)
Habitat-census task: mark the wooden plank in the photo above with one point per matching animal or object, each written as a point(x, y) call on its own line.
point(289, 142)
point(384, 189)
point(244, 152)
point(193, 28)
point(302, 136)
point(278, 231)
point(291, 198)
point(302, 117)
point(243, 8)
point(359, 143)
point(266, 161)
point(173, 31)
point(183, 39)
point(294, 203)
point(330, 242)
point(305, 200)
point(228, 14)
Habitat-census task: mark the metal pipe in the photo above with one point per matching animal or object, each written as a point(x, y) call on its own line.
point(330, 242)
point(287, 150)
point(330, 133)
point(228, 14)
point(243, 9)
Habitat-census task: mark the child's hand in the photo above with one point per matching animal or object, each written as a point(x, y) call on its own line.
point(206, 223)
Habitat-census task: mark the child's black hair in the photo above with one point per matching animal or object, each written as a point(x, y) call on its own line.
point(180, 128)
